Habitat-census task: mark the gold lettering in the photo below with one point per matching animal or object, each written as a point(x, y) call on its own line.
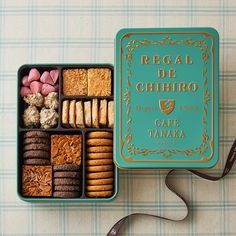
point(156, 59)
point(138, 87)
point(166, 87)
point(193, 87)
point(150, 87)
point(162, 73)
point(145, 59)
point(188, 60)
point(172, 73)
point(182, 87)
point(167, 60)
point(178, 60)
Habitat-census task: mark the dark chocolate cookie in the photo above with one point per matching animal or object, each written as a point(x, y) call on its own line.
point(63, 194)
point(66, 181)
point(36, 154)
point(36, 134)
point(66, 167)
point(67, 174)
point(36, 161)
point(67, 188)
point(39, 146)
point(36, 140)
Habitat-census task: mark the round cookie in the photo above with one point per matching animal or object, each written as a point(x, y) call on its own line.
point(99, 194)
point(100, 149)
point(66, 174)
point(98, 162)
point(74, 188)
point(66, 181)
point(98, 155)
point(39, 146)
point(100, 175)
point(99, 142)
point(99, 187)
point(98, 134)
point(36, 134)
point(36, 140)
point(99, 168)
point(36, 154)
point(37, 161)
point(99, 181)
point(64, 194)
point(66, 167)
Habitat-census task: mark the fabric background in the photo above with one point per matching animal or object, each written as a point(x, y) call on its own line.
point(42, 31)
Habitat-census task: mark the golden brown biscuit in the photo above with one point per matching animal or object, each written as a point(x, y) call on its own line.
point(99, 187)
point(100, 175)
point(99, 82)
point(103, 113)
point(79, 115)
point(66, 149)
point(99, 142)
point(100, 149)
point(95, 182)
point(37, 181)
point(98, 134)
point(72, 114)
point(106, 155)
point(65, 113)
point(110, 112)
point(99, 194)
point(95, 113)
point(75, 82)
point(87, 113)
point(99, 168)
point(99, 162)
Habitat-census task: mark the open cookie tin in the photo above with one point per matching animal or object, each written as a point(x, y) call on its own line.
point(59, 129)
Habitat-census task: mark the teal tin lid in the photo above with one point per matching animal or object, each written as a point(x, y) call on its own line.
point(166, 98)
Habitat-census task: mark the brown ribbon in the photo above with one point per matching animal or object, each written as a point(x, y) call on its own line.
point(228, 166)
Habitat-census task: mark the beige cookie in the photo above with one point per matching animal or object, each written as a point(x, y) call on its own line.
point(72, 114)
point(99, 168)
point(91, 156)
point(95, 182)
point(98, 134)
point(99, 142)
point(103, 113)
point(100, 194)
point(100, 187)
point(95, 113)
point(100, 149)
point(99, 162)
point(65, 113)
point(100, 175)
point(87, 113)
point(110, 112)
point(79, 117)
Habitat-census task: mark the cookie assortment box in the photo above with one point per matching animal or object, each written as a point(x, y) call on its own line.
point(65, 133)
point(160, 108)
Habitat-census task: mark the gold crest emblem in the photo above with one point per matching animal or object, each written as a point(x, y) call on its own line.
point(167, 106)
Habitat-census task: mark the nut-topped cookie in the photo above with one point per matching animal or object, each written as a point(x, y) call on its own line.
point(37, 181)
point(66, 149)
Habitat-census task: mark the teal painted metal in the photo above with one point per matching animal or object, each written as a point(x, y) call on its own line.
point(166, 97)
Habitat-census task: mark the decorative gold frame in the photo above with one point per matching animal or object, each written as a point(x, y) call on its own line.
point(167, 41)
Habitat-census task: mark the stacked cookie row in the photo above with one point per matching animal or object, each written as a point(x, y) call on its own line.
point(99, 164)
point(66, 181)
point(93, 113)
point(36, 148)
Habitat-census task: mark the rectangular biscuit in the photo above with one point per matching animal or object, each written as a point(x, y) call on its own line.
point(103, 113)
point(99, 82)
point(87, 113)
point(66, 149)
point(110, 114)
point(75, 82)
point(36, 181)
point(95, 113)
point(79, 114)
point(72, 114)
point(65, 113)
